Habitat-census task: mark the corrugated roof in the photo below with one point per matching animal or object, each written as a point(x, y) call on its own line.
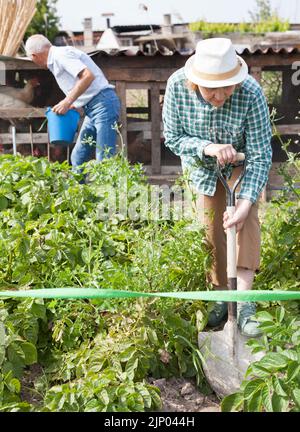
point(240, 51)
point(270, 50)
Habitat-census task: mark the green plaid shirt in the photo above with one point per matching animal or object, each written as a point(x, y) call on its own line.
point(191, 123)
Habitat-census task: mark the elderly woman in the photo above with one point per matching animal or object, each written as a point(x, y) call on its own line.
point(212, 110)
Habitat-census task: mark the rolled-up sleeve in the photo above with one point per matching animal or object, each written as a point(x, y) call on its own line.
point(179, 142)
point(72, 63)
point(258, 134)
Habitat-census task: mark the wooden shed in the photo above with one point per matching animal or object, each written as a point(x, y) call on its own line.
point(140, 82)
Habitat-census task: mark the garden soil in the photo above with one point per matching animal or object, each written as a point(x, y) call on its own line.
point(177, 394)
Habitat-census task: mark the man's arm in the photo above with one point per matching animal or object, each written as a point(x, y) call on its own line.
point(86, 77)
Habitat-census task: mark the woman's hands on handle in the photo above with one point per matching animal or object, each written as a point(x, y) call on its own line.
point(241, 213)
point(225, 153)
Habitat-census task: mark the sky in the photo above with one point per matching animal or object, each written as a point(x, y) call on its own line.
point(128, 12)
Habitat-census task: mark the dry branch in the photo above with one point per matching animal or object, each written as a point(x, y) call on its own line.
point(15, 17)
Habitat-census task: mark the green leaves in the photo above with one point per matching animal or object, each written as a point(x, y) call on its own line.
point(30, 353)
point(233, 402)
point(273, 381)
point(97, 354)
point(279, 403)
point(2, 342)
point(253, 387)
point(3, 203)
point(273, 362)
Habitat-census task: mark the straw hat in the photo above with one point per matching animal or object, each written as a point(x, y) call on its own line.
point(215, 64)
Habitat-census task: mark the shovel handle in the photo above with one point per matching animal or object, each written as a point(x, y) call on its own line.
point(240, 157)
point(231, 236)
point(231, 246)
point(231, 267)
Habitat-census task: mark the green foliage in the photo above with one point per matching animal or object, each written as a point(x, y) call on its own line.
point(263, 11)
point(264, 20)
point(280, 263)
point(95, 355)
point(272, 86)
point(273, 24)
point(45, 21)
point(273, 381)
point(98, 355)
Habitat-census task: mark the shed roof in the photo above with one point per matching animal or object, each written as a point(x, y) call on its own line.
point(246, 51)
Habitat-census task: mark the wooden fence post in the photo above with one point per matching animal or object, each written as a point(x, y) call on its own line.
point(155, 128)
point(121, 92)
point(256, 72)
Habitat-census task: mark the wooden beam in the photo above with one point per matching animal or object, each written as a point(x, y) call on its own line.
point(137, 110)
point(18, 65)
point(20, 113)
point(121, 92)
point(256, 73)
point(139, 74)
point(155, 129)
point(141, 126)
point(144, 86)
point(262, 60)
point(175, 170)
point(25, 138)
point(292, 129)
point(148, 135)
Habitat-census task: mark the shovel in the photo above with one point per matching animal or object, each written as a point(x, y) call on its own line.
point(226, 355)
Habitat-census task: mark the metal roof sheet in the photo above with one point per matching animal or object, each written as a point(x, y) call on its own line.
point(241, 51)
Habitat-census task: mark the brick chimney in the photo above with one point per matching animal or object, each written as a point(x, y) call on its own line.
point(167, 24)
point(88, 32)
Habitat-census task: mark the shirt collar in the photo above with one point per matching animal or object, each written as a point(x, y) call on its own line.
point(203, 101)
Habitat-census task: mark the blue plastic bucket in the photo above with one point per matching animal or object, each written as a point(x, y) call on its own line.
point(62, 128)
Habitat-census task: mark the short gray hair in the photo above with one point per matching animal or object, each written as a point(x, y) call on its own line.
point(37, 44)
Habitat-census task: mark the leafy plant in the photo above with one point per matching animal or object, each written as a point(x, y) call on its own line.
point(45, 21)
point(274, 380)
point(272, 383)
point(96, 355)
point(274, 24)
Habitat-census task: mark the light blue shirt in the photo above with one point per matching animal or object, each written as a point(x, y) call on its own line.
point(66, 63)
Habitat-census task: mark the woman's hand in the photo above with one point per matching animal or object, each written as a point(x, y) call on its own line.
point(241, 213)
point(225, 153)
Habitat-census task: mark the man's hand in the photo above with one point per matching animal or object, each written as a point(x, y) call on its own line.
point(62, 107)
point(241, 213)
point(86, 77)
point(225, 153)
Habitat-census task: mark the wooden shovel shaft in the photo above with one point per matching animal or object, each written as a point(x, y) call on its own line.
point(231, 264)
point(231, 237)
point(231, 247)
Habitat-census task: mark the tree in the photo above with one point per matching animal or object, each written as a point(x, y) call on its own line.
point(45, 21)
point(263, 11)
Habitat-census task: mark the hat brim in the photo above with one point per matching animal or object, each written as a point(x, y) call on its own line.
point(236, 79)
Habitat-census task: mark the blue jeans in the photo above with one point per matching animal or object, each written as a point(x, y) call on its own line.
point(97, 131)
